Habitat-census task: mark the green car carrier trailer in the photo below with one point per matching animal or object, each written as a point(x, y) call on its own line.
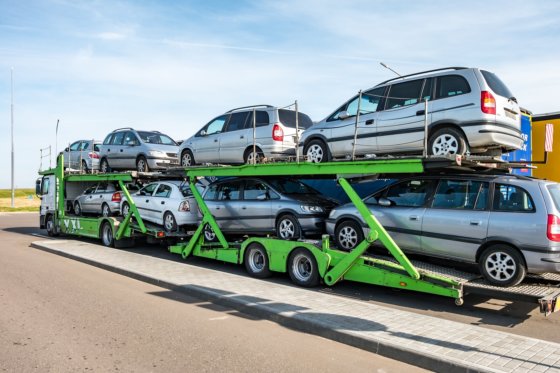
point(307, 262)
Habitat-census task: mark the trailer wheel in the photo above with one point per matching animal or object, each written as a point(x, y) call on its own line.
point(256, 261)
point(348, 235)
point(107, 237)
point(105, 210)
point(502, 265)
point(287, 227)
point(209, 235)
point(169, 222)
point(302, 268)
point(77, 208)
point(51, 229)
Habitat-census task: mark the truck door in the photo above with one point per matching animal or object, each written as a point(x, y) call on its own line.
point(48, 200)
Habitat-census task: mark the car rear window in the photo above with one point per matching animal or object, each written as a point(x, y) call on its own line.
point(496, 84)
point(288, 118)
point(96, 147)
point(554, 190)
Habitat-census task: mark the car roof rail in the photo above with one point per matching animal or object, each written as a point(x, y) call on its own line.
point(422, 72)
point(124, 128)
point(249, 107)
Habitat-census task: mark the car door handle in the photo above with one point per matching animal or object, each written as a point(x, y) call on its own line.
point(421, 112)
point(215, 140)
point(217, 207)
point(147, 201)
point(101, 196)
point(475, 222)
point(241, 137)
point(121, 150)
point(108, 150)
point(243, 208)
point(413, 217)
point(369, 122)
point(163, 202)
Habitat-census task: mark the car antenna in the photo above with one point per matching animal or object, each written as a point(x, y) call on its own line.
point(387, 67)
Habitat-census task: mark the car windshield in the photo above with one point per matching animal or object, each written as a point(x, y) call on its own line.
point(288, 186)
point(496, 84)
point(156, 138)
point(554, 190)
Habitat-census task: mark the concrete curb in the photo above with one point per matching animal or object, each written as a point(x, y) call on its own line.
point(297, 321)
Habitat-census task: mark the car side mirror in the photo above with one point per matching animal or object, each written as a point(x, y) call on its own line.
point(67, 149)
point(343, 115)
point(203, 133)
point(384, 202)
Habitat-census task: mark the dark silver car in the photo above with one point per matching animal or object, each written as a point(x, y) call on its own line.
point(282, 206)
point(508, 225)
point(102, 199)
point(143, 151)
point(469, 110)
point(82, 155)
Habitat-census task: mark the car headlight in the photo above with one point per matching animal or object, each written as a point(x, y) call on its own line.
point(311, 209)
point(156, 153)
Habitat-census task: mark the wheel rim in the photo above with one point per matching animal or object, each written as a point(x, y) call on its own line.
point(251, 156)
point(50, 225)
point(77, 209)
point(169, 222)
point(104, 166)
point(445, 144)
point(209, 234)
point(348, 238)
point(315, 154)
point(126, 210)
point(105, 210)
point(84, 166)
point(256, 261)
point(500, 266)
point(186, 160)
point(107, 235)
point(302, 268)
point(287, 229)
point(141, 166)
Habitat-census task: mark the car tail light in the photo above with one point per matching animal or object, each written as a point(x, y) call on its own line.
point(277, 133)
point(93, 155)
point(487, 102)
point(117, 197)
point(553, 228)
point(185, 206)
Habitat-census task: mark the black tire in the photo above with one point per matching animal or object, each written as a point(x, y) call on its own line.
point(302, 268)
point(104, 166)
point(256, 261)
point(107, 237)
point(317, 152)
point(85, 167)
point(447, 141)
point(348, 235)
point(77, 208)
point(105, 210)
point(142, 164)
point(169, 222)
point(125, 209)
point(502, 265)
point(248, 156)
point(51, 229)
point(287, 227)
point(187, 158)
point(209, 235)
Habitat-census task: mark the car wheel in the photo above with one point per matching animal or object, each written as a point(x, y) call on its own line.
point(104, 167)
point(105, 210)
point(209, 235)
point(187, 158)
point(77, 209)
point(84, 167)
point(302, 268)
point(250, 155)
point(287, 227)
point(316, 152)
point(256, 261)
point(142, 164)
point(51, 229)
point(169, 222)
point(125, 209)
point(447, 141)
point(502, 265)
point(348, 235)
point(107, 237)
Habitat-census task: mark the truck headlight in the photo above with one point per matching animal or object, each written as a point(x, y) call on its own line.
point(311, 209)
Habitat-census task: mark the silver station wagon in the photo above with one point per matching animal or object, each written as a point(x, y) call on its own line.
point(509, 225)
point(469, 110)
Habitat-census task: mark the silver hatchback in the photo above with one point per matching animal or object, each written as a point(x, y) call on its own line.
point(228, 139)
point(101, 199)
point(143, 151)
point(509, 225)
point(469, 110)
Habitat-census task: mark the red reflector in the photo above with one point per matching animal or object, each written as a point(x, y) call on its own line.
point(117, 197)
point(93, 155)
point(403, 284)
point(160, 234)
point(277, 133)
point(553, 228)
point(487, 103)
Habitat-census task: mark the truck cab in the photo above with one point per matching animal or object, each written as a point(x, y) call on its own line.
point(45, 189)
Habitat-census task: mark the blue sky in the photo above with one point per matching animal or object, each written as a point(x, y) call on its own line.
point(174, 65)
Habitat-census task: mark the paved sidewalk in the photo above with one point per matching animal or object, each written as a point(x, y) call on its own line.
point(424, 341)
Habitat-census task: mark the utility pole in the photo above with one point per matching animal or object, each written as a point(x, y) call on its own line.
point(12, 110)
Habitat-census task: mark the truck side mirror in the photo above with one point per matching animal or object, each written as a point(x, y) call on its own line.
point(38, 184)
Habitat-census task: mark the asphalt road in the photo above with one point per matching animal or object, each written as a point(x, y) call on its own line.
point(60, 315)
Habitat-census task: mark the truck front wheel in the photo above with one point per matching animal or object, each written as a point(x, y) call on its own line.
point(51, 229)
